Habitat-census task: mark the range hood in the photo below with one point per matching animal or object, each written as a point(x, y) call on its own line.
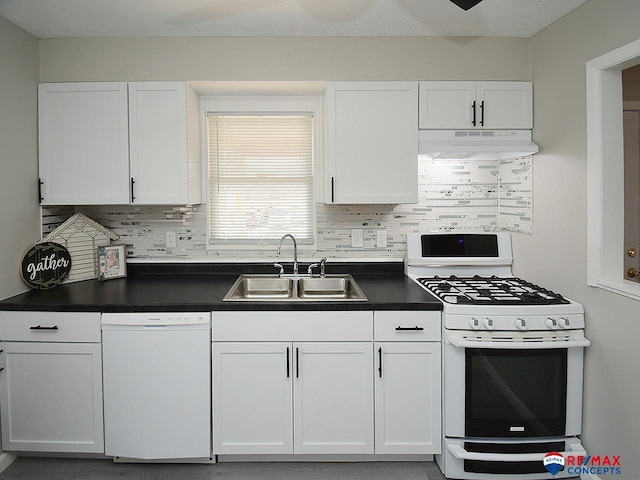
point(476, 144)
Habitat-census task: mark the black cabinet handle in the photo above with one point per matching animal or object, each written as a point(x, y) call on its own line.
point(333, 189)
point(380, 362)
point(40, 184)
point(482, 113)
point(404, 329)
point(133, 197)
point(1, 369)
point(39, 327)
point(473, 107)
point(297, 362)
point(288, 366)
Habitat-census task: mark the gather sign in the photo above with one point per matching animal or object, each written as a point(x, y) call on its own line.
point(45, 265)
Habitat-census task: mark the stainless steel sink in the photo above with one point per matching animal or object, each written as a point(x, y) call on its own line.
point(261, 288)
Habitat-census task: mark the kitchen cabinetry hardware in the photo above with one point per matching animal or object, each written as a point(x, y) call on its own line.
point(380, 362)
point(632, 272)
point(333, 189)
point(39, 327)
point(473, 109)
point(133, 197)
point(482, 113)
point(632, 252)
point(288, 366)
point(297, 362)
point(40, 197)
point(404, 329)
point(1, 369)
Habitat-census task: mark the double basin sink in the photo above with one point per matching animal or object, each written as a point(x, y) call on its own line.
point(261, 288)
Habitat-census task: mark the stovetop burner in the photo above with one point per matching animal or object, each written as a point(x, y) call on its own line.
point(478, 290)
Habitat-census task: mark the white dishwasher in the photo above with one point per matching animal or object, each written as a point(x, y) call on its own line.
point(157, 385)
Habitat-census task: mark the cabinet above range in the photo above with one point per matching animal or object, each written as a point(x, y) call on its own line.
point(118, 143)
point(475, 105)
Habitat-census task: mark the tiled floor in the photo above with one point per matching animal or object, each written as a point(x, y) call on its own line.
point(34, 468)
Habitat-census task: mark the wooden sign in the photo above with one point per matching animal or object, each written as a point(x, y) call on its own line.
point(45, 265)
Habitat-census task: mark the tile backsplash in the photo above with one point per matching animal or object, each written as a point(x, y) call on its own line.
point(453, 195)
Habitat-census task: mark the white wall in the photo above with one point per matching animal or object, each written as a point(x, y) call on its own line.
point(556, 253)
point(19, 211)
point(238, 58)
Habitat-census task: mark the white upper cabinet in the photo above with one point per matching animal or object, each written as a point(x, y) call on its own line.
point(473, 105)
point(372, 142)
point(83, 143)
point(164, 143)
point(99, 147)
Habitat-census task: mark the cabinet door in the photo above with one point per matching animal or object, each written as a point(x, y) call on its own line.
point(252, 398)
point(447, 105)
point(333, 395)
point(159, 143)
point(372, 142)
point(407, 389)
point(83, 143)
point(505, 105)
point(51, 397)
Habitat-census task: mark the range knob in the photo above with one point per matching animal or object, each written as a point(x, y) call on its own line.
point(551, 323)
point(488, 323)
point(563, 322)
point(474, 323)
point(521, 323)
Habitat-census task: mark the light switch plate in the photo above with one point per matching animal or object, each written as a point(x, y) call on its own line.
point(357, 240)
point(381, 239)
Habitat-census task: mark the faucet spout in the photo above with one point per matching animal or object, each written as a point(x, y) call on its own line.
point(295, 250)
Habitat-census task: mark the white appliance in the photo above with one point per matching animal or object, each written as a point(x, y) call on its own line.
point(476, 144)
point(512, 359)
point(157, 385)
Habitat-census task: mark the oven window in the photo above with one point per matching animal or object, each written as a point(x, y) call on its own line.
point(515, 393)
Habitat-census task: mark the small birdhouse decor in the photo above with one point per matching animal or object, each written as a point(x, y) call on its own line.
point(82, 236)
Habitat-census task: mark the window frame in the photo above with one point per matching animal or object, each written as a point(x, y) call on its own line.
point(266, 104)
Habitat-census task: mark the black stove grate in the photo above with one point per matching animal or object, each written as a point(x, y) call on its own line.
point(478, 290)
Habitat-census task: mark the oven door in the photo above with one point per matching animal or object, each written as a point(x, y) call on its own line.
point(512, 388)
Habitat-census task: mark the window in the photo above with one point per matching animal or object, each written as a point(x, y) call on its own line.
point(260, 177)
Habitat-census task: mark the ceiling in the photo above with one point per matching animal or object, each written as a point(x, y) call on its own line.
point(271, 18)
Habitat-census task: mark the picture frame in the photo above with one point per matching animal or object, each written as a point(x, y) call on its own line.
point(112, 262)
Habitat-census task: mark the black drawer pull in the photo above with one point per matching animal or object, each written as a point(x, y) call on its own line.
point(1, 369)
point(288, 367)
point(380, 362)
point(404, 329)
point(40, 327)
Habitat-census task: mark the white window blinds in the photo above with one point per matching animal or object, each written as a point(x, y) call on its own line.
point(260, 178)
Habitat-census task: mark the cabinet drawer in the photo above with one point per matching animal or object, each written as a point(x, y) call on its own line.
point(407, 326)
point(300, 326)
point(50, 326)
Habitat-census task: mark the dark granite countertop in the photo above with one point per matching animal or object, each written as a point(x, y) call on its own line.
point(201, 287)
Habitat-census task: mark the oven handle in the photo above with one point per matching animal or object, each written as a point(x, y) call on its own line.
point(463, 343)
point(460, 453)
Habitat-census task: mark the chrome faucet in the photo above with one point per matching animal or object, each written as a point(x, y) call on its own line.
point(295, 251)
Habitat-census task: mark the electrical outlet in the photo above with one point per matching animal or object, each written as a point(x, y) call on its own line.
point(170, 240)
point(357, 240)
point(381, 239)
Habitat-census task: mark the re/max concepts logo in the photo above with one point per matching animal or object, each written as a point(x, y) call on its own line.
point(554, 462)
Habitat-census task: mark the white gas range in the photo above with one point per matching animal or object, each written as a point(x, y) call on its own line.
point(512, 359)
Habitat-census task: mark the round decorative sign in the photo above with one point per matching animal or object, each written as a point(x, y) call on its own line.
point(45, 265)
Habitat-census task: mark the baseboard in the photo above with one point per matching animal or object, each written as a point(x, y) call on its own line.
point(325, 458)
point(6, 459)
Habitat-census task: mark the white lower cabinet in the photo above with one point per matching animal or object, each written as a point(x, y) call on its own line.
point(408, 382)
point(252, 397)
point(295, 396)
point(333, 398)
point(51, 389)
